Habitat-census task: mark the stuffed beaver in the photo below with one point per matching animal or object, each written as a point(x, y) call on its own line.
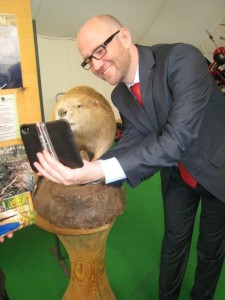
point(91, 118)
point(94, 127)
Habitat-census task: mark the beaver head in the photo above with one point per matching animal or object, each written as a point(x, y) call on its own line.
point(91, 118)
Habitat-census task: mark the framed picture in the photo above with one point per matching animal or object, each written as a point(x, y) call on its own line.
point(10, 65)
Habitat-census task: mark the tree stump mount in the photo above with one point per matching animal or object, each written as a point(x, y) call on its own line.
point(81, 216)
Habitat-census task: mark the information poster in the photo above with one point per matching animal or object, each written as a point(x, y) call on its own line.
point(9, 123)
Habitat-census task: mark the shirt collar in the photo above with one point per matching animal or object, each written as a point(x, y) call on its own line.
point(136, 78)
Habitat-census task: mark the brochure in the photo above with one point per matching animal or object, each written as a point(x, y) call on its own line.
point(16, 186)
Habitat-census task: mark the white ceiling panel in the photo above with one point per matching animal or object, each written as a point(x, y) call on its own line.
point(150, 21)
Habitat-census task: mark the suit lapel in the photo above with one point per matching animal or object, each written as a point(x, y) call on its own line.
point(144, 119)
point(146, 74)
point(132, 110)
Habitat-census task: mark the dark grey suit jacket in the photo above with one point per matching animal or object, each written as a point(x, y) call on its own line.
point(183, 119)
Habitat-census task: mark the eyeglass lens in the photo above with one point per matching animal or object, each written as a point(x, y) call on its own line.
point(98, 53)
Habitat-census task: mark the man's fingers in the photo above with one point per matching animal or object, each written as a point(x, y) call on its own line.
point(9, 235)
point(51, 168)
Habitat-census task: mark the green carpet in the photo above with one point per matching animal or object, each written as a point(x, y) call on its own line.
point(132, 255)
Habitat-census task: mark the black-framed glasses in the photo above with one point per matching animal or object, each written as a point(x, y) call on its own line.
point(98, 53)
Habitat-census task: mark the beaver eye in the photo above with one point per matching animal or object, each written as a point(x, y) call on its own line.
point(62, 113)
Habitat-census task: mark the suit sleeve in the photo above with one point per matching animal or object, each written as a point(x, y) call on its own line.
point(189, 82)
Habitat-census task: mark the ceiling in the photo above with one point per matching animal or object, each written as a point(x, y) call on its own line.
point(150, 21)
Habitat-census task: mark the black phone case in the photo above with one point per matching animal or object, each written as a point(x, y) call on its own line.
point(62, 140)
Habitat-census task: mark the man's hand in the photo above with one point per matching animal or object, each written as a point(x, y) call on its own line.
point(9, 235)
point(53, 170)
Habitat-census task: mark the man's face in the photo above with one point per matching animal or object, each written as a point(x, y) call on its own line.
point(113, 67)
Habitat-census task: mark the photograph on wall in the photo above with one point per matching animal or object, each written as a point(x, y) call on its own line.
point(10, 65)
point(16, 187)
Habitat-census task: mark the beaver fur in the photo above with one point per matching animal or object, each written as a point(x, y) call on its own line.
point(91, 118)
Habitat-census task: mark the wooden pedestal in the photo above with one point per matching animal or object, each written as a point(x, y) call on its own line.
point(86, 250)
point(73, 207)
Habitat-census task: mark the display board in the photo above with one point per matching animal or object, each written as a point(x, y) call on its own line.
point(19, 101)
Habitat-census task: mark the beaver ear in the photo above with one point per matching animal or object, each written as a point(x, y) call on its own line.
point(95, 103)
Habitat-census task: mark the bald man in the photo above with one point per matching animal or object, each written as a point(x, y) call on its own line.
point(177, 128)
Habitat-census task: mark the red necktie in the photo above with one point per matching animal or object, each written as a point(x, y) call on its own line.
point(186, 176)
point(136, 90)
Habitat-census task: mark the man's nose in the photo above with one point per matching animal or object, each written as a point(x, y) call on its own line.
point(97, 64)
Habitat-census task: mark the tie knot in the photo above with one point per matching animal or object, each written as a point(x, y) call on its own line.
point(136, 90)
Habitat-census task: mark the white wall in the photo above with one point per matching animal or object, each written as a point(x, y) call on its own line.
point(60, 71)
point(60, 66)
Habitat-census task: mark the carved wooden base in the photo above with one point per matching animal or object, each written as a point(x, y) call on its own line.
point(81, 216)
point(86, 250)
point(88, 280)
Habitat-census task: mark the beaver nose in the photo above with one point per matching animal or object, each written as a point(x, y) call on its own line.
point(62, 113)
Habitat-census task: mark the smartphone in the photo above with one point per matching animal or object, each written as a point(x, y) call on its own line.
point(55, 136)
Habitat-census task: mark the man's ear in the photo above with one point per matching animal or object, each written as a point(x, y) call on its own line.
point(125, 37)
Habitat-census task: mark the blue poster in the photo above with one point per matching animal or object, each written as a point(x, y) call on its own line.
point(10, 66)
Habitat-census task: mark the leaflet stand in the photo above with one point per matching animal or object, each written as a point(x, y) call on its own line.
point(58, 255)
